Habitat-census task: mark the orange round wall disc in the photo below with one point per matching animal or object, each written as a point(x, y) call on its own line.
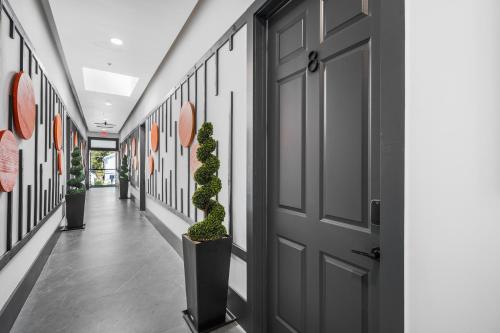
point(194, 162)
point(9, 161)
point(133, 146)
point(24, 109)
point(59, 162)
point(75, 139)
point(154, 136)
point(151, 164)
point(187, 124)
point(58, 136)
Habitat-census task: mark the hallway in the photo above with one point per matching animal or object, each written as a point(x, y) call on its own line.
point(117, 275)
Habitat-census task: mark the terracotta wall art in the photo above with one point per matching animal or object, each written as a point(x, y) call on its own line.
point(59, 162)
point(151, 162)
point(9, 161)
point(155, 132)
point(194, 162)
point(24, 107)
point(58, 135)
point(187, 124)
point(134, 144)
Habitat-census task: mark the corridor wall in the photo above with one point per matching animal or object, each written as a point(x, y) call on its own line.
point(210, 58)
point(217, 89)
point(32, 211)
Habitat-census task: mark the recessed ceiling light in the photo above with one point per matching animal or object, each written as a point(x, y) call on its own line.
point(116, 41)
point(108, 103)
point(108, 82)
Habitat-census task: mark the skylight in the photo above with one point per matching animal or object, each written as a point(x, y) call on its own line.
point(108, 82)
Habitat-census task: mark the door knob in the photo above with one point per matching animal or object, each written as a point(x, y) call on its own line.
point(374, 253)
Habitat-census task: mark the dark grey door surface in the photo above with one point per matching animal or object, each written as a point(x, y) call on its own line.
point(323, 171)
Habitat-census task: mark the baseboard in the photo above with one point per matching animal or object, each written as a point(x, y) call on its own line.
point(11, 309)
point(166, 233)
point(237, 305)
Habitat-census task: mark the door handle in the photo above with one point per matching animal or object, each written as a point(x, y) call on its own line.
point(374, 253)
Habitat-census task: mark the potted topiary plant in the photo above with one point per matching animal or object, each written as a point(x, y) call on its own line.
point(206, 246)
point(75, 198)
point(124, 178)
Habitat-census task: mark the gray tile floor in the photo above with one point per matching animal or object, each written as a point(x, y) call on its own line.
point(117, 275)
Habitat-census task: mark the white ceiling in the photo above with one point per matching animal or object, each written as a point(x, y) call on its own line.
point(147, 29)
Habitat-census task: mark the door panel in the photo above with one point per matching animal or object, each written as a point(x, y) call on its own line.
point(291, 92)
point(340, 13)
point(345, 147)
point(291, 284)
point(344, 306)
point(322, 167)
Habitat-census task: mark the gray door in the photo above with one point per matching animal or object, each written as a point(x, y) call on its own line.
point(323, 171)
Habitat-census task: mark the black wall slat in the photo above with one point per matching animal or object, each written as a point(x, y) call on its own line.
point(35, 200)
point(170, 189)
point(170, 112)
point(230, 176)
point(28, 211)
point(175, 164)
point(45, 202)
point(217, 72)
point(9, 221)
point(11, 28)
point(40, 190)
point(20, 198)
point(49, 204)
point(205, 92)
point(162, 177)
point(41, 97)
point(30, 63)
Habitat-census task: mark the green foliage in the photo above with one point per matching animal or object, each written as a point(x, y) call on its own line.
point(211, 228)
point(76, 171)
point(124, 169)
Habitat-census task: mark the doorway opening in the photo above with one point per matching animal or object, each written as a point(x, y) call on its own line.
point(103, 169)
point(102, 162)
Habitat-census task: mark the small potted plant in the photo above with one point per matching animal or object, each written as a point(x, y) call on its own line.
point(206, 246)
point(124, 178)
point(75, 197)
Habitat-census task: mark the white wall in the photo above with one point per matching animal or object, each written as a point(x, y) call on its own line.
point(452, 187)
point(32, 17)
point(207, 23)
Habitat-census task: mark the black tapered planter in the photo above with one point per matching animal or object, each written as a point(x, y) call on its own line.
point(75, 206)
point(206, 269)
point(123, 189)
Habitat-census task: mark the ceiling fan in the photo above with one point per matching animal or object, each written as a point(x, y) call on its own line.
point(104, 124)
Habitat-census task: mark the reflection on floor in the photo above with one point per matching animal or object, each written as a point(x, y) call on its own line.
point(118, 275)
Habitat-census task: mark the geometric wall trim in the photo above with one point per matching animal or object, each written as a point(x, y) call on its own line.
point(23, 96)
point(9, 161)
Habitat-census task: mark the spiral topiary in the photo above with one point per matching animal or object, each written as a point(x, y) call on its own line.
point(211, 228)
point(124, 169)
point(76, 170)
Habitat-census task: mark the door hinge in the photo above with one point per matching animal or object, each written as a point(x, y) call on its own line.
point(375, 212)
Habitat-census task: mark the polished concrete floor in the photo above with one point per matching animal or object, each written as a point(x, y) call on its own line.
point(117, 275)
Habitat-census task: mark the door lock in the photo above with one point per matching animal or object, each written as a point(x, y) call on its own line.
point(374, 253)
